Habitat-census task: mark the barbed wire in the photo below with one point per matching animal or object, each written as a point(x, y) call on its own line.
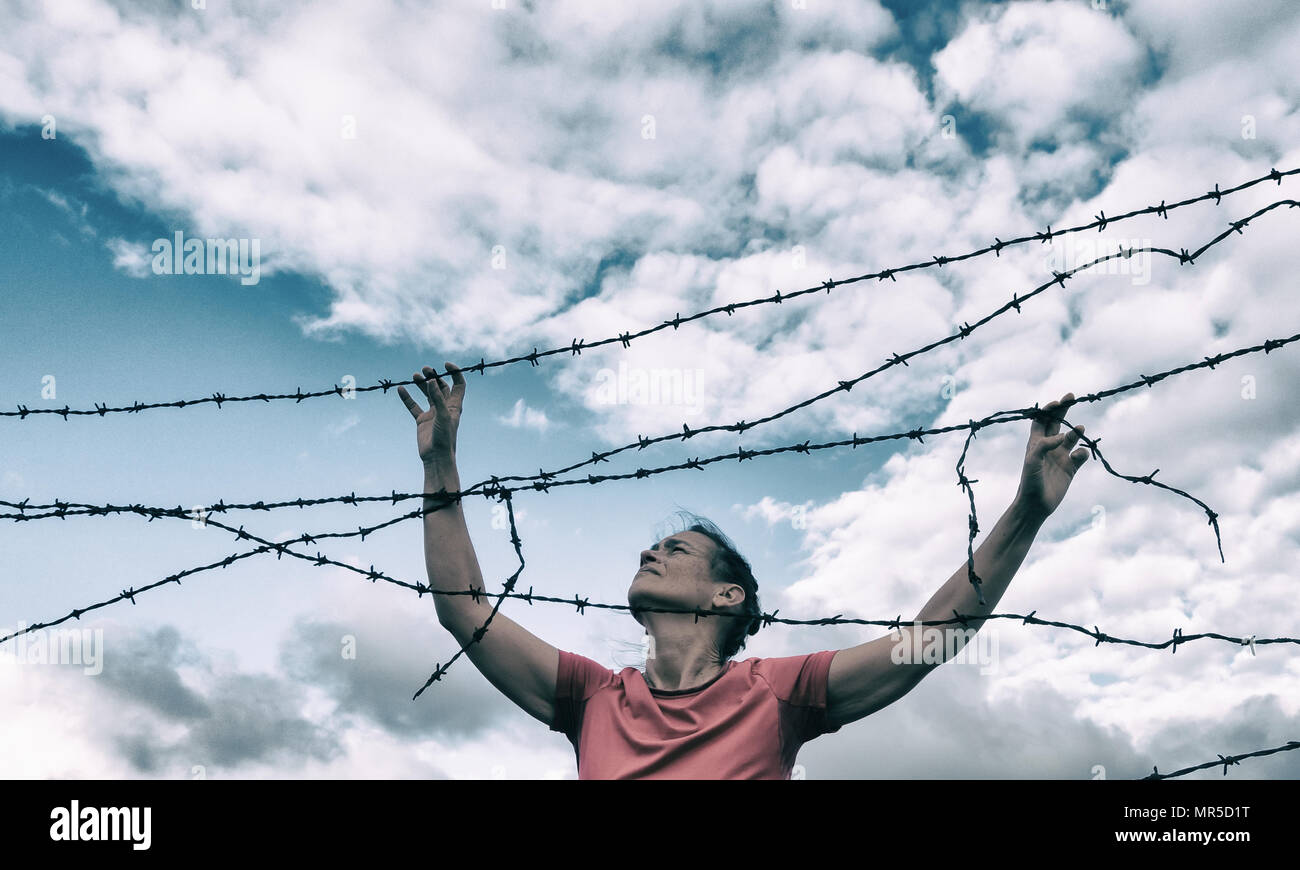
point(492, 487)
point(576, 347)
point(59, 509)
point(495, 486)
point(896, 624)
point(767, 619)
point(443, 498)
point(582, 603)
point(1225, 761)
point(1183, 257)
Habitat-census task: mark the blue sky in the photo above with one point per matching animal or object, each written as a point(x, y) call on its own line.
point(561, 170)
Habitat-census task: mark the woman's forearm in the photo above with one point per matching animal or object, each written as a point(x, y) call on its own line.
point(448, 552)
point(996, 562)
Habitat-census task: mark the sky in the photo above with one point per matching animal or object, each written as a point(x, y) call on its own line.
point(464, 181)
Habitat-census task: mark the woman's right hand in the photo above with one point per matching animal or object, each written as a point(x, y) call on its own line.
point(435, 429)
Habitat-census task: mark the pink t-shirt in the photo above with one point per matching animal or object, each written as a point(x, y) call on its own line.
point(746, 723)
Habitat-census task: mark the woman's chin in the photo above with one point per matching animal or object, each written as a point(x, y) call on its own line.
point(640, 593)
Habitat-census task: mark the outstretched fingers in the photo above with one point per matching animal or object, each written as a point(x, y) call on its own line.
point(434, 388)
point(411, 404)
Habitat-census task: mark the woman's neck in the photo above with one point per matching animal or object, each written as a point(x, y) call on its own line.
point(662, 675)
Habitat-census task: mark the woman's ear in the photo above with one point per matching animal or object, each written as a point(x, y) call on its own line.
point(734, 593)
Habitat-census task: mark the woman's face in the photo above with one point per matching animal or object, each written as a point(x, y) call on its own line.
point(674, 573)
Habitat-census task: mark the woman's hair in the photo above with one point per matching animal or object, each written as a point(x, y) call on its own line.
point(728, 566)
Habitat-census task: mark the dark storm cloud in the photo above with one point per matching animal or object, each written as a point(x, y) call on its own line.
point(386, 672)
point(144, 670)
point(233, 719)
point(946, 728)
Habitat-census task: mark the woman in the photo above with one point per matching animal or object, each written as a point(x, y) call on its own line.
point(696, 713)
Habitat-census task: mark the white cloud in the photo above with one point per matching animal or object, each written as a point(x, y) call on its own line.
point(343, 425)
point(522, 416)
point(1042, 69)
point(1257, 35)
point(773, 511)
point(132, 258)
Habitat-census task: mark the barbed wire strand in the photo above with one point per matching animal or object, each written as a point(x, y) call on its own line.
point(576, 347)
point(972, 522)
point(1225, 761)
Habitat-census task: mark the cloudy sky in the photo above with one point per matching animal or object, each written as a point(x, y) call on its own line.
point(457, 181)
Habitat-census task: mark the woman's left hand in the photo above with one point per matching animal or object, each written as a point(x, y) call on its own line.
point(1049, 464)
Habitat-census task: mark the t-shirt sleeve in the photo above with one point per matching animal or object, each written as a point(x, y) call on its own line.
point(576, 680)
point(800, 684)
